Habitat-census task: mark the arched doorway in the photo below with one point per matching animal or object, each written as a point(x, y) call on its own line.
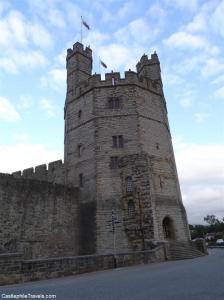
point(168, 228)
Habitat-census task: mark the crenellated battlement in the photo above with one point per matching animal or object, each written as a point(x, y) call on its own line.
point(53, 172)
point(80, 79)
point(115, 79)
point(147, 61)
point(149, 68)
point(79, 48)
point(5, 175)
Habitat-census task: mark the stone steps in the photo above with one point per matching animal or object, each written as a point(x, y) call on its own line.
point(183, 250)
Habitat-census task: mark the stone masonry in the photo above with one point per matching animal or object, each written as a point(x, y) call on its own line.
point(118, 189)
point(38, 218)
point(117, 134)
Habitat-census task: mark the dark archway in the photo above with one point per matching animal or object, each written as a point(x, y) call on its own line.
point(168, 228)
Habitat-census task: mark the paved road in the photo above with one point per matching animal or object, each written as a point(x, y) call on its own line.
point(197, 279)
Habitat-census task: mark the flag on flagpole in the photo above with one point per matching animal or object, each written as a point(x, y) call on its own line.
point(85, 24)
point(103, 64)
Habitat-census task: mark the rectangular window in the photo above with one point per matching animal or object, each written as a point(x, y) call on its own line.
point(81, 180)
point(118, 141)
point(114, 103)
point(110, 103)
point(114, 141)
point(114, 162)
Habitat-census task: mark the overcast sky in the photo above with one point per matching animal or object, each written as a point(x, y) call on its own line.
point(188, 36)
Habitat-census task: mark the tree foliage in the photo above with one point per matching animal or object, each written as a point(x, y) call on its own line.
point(215, 226)
point(211, 219)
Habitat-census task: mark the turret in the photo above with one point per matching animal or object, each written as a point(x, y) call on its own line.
point(149, 67)
point(79, 68)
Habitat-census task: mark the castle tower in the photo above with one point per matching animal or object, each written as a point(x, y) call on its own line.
point(79, 142)
point(118, 151)
point(77, 111)
point(149, 68)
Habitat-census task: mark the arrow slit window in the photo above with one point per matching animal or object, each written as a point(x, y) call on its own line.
point(129, 184)
point(131, 208)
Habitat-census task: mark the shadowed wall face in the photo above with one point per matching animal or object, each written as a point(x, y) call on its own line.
point(87, 233)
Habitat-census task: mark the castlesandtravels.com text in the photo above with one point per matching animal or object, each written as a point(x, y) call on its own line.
point(27, 296)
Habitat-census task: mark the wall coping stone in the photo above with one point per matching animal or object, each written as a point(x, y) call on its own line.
point(90, 256)
point(4, 255)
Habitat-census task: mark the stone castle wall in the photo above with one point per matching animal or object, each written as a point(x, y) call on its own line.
point(38, 219)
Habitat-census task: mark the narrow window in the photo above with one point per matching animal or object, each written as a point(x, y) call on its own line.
point(161, 182)
point(114, 141)
point(114, 161)
point(116, 103)
point(79, 114)
point(81, 180)
point(120, 141)
point(110, 102)
point(131, 208)
point(113, 81)
point(79, 150)
point(129, 184)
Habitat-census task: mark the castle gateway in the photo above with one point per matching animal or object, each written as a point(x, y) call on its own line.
point(118, 189)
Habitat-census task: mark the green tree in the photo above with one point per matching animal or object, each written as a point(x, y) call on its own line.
point(215, 225)
point(211, 220)
point(198, 231)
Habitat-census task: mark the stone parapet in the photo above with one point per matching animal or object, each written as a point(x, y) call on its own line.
point(79, 48)
point(115, 79)
point(200, 244)
point(36, 269)
point(54, 172)
point(147, 61)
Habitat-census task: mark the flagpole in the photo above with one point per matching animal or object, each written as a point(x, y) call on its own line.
point(99, 66)
point(81, 30)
